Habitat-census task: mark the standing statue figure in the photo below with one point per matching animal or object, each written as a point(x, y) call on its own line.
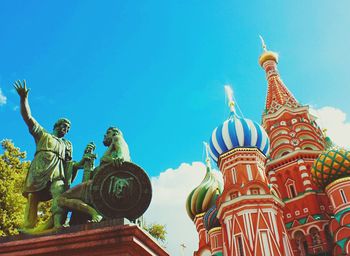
point(47, 172)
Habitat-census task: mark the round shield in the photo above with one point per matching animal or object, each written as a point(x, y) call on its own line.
point(121, 191)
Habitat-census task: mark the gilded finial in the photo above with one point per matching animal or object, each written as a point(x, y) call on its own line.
point(328, 142)
point(263, 43)
point(324, 131)
point(229, 94)
point(207, 159)
point(267, 55)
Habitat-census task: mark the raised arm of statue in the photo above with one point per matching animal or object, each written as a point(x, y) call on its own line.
point(22, 91)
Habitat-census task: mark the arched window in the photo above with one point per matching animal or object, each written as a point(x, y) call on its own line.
point(285, 153)
point(306, 137)
point(309, 146)
point(302, 128)
point(234, 176)
point(240, 246)
point(301, 242)
point(328, 235)
point(291, 190)
point(280, 142)
point(315, 236)
point(343, 196)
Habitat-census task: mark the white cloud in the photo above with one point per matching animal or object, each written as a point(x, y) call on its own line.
point(168, 206)
point(334, 120)
point(3, 98)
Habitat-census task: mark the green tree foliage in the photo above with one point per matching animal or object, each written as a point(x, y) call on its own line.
point(12, 173)
point(13, 170)
point(158, 231)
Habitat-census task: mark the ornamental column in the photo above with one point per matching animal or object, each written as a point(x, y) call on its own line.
point(272, 178)
point(304, 175)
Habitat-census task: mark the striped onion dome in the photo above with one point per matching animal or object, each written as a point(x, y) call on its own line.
point(331, 165)
point(210, 218)
point(238, 132)
point(204, 196)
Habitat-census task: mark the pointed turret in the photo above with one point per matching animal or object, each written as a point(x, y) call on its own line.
point(249, 212)
point(278, 94)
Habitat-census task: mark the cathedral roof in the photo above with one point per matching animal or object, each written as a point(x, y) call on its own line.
point(331, 165)
point(205, 194)
point(278, 94)
point(237, 132)
point(210, 218)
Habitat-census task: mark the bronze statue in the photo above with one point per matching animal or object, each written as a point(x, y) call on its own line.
point(47, 173)
point(117, 188)
point(78, 198)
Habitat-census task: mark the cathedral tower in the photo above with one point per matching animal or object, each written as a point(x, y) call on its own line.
point(199, 201)
point(249, 209)
point(296, 141)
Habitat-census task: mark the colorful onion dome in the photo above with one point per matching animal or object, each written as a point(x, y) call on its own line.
point(204, 196)
point(210, 218)
point(238, 132)
point(331, 165)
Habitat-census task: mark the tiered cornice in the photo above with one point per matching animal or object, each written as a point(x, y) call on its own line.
point(291, 133)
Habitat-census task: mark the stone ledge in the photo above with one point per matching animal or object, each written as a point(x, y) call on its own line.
point(113, 237)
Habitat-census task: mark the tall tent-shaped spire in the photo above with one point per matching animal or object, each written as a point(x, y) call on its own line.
point(278, 94)
point(296, 141)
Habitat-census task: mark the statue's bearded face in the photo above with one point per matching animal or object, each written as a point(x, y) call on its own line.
point(110, 134)
point(62, 129)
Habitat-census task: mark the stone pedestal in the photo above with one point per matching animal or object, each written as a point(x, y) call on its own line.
point(113, 237)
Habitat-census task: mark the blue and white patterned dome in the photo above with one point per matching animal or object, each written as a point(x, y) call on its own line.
point(238, 132)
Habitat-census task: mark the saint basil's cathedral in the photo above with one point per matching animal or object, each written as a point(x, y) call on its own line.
point(286, 186)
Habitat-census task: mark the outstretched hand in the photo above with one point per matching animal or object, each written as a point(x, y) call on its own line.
point(21, 88)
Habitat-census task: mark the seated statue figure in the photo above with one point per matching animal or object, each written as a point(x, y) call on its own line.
point(78, 198)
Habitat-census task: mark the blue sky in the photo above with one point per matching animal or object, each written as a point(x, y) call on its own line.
point(157, 69)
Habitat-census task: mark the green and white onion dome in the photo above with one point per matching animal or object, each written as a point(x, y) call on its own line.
point(204, 196)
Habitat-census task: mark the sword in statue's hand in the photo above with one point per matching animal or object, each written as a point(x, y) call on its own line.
point(89, 161)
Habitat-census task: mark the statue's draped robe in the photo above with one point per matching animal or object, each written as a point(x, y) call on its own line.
point(51, 157)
